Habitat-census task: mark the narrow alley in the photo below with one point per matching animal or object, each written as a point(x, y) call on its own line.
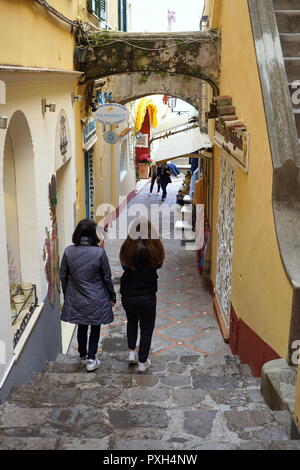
point(195, 396)
point(202, 100)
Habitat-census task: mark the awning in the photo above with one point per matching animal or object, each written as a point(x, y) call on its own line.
point(180, 145)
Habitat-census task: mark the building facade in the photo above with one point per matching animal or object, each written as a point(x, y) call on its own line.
point(253, 284)
point(37, 189)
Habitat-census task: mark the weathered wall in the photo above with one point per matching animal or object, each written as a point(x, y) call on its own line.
point(261, 292)
point(194, 54)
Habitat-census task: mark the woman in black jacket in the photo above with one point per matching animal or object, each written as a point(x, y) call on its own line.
point(140, 257)
point(164, 177)
point(88, 289)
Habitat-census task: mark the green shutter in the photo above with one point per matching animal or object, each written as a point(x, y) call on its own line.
point(98, 7)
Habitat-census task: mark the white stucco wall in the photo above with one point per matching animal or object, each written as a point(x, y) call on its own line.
point(25, 96)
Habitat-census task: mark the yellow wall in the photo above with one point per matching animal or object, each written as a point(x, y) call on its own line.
point(261, 292)
point(31, 37)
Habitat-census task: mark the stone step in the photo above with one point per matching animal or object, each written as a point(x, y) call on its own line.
point(38, 443)
point(141, 421)
point(172, 393)
point(286, 4)
point(288, 21)
point(161, 365)
point(292, 67)
point(290, 45)
point(82, 389)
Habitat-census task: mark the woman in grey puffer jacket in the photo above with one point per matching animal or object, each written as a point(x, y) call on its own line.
point(88, 289)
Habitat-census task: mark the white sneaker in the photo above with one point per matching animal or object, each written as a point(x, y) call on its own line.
point(132, 358)
point(92, 364)
point(143, 366)
point(149, 194)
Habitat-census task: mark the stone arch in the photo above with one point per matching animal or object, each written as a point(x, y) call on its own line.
point(195, 54)
point(130, 86)
point(20, 204)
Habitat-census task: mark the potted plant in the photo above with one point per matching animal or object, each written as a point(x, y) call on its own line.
point(143, 163)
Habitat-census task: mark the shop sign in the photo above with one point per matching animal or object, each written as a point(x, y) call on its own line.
point(111, 113)
point(89, 134)
point(63, 141)
point(235, 142)
point(111, 137)
point(91, 183)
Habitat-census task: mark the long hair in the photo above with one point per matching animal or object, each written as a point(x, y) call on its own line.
point(86, 228)
point(144, 244)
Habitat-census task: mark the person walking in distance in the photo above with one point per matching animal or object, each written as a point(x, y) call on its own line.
point(153, 175)
point(164, 177)
point(88, 290)
point(141, 255)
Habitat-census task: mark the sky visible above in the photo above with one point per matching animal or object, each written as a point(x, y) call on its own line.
point(152, 15)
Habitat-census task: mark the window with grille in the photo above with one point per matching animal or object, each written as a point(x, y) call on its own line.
point(98, 7)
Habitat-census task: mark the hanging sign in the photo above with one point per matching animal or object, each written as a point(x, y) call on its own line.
point(91, 185)
point(111, 137)
point(235, 142)
point(111, 113)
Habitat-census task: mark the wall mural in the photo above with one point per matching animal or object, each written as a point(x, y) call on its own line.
point(50, 250)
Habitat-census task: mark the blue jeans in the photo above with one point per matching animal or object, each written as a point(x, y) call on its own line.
point(93, 340)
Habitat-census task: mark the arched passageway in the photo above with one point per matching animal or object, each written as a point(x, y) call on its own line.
point(131, 86)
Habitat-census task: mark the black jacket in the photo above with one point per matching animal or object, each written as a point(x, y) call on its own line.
point(87, 285)
point(141, 281)
point(164, 174)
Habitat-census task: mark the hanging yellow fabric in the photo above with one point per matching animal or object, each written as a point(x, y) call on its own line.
point(144, 105)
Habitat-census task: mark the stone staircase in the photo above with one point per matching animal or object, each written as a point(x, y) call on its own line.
point(181, 403)
point(288, 21)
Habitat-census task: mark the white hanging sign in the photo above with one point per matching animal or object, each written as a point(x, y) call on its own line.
point(111, 113)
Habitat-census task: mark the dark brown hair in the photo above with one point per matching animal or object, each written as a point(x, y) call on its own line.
point(147, 247)
point(86, 228)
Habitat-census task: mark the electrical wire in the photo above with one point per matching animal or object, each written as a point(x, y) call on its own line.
point(56, 13)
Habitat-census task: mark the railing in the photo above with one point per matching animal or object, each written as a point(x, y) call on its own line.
point(30, 302)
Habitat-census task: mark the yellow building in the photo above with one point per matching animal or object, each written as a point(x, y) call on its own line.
point(254, 277)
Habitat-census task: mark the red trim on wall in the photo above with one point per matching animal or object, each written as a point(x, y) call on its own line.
point(246, 344)
point(233, 334)
point(252, 350)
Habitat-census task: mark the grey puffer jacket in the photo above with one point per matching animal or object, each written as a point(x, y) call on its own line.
point(87, 285)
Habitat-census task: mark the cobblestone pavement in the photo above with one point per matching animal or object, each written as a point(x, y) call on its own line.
point(195, 396)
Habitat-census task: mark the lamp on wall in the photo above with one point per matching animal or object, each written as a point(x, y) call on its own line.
point(172, 101)
point(76, 98)
point(51, 106)
point(3, 122)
